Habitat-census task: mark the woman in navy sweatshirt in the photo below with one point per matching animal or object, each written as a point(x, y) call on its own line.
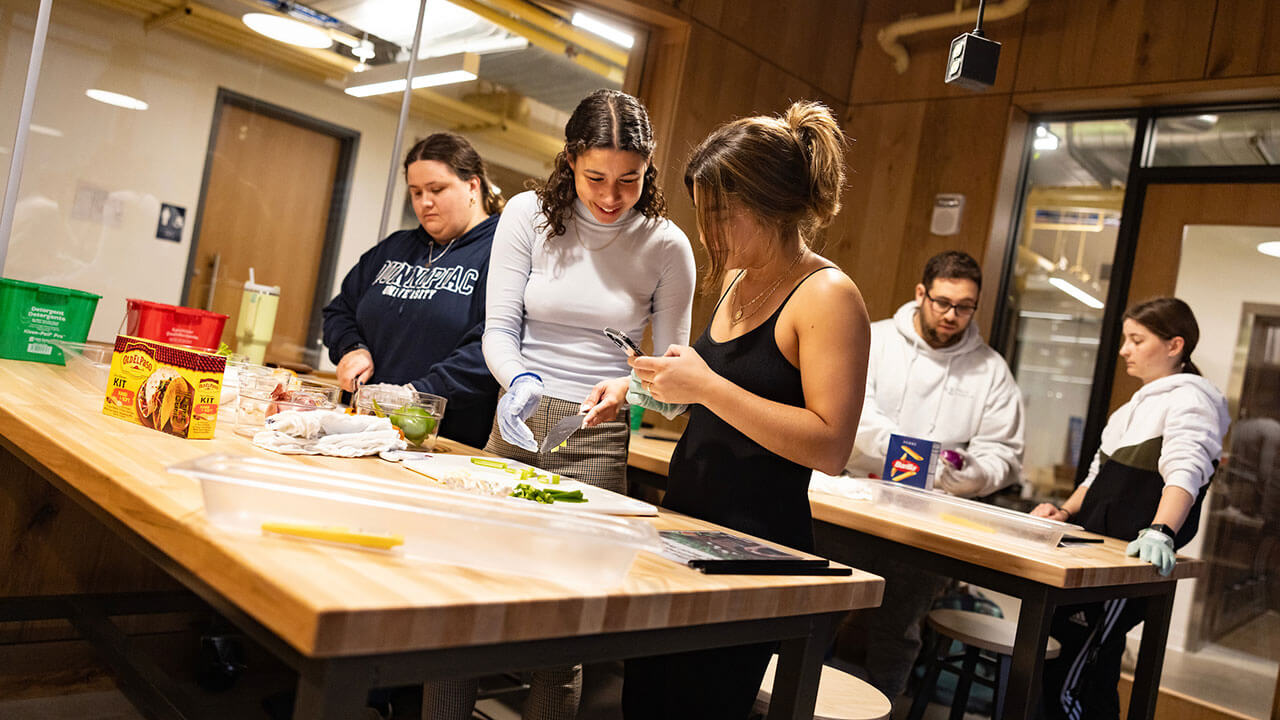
point(411, 312)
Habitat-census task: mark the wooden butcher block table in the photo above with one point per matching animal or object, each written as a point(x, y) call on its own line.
point(855, 531)
point(348, 620)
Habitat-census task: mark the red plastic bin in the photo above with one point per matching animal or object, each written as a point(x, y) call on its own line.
point(174, 324)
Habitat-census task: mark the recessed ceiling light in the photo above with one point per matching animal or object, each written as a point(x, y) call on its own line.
point(118, 99)
point(287, 30)
point(603, 29)
point(1271, 248)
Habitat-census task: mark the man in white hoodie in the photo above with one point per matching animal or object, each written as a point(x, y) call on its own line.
point(931, 375)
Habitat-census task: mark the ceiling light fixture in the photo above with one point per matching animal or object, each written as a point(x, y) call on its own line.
point(288, 30)
point(603, 29)
point(1045, 140)
point(1076, 293)
point(383, 79)
point(1271, 248)
point(128, 102)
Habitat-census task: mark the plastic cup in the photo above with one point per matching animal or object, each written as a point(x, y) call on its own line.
point(418, 414)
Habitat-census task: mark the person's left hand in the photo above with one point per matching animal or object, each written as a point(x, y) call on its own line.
point(967, 481)
point(603, 401)
point(679, 377)
point(1154, 547)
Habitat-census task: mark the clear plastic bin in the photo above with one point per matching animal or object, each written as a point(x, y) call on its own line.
point(89, 362)
point(968, 517)
point(443, 526)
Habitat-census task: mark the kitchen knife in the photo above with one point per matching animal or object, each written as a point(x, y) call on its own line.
point(561, 431)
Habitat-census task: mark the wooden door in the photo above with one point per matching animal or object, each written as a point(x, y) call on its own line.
point(266, 206)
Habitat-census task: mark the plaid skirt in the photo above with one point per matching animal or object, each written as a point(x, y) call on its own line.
point(596, 455)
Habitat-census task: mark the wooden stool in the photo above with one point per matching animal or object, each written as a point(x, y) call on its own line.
point(978, 633)
point(841, 696)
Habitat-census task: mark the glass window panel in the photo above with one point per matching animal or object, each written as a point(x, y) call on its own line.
point(1217, 138)
point(121, 200)
point(1066, 242)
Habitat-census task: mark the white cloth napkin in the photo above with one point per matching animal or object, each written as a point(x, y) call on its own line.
point(328, 432)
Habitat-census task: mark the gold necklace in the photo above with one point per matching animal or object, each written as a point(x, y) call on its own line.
point(577, 233)
point(746, 310)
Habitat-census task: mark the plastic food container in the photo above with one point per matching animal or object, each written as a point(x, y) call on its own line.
point(88, 362)
point(262, 394)
point(174, 324)
point(32, 316)
point(970, 518)
point(443, 526)
point(418, 414)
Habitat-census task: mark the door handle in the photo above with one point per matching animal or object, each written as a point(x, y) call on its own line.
point(214, 264)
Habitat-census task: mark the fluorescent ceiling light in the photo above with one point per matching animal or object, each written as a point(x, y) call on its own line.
point(288, 30)
point(1037, 315)
point(1045, 140)
point(1271, 248)
point(1210, 119)
point(603, 29)
point(119, 100)
point(383, 79)
point(1076, 293)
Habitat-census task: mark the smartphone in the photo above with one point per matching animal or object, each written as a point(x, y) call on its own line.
point(620, 339)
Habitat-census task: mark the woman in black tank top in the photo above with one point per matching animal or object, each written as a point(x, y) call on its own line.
point(774, 384)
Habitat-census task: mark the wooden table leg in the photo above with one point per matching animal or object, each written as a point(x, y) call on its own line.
point(795, 686)
point(1146, 674)
point(1022, 699)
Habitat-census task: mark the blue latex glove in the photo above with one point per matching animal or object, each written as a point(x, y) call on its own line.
point(965, 481)
point(637, 395)
point(519, 402)
point(1154, 547)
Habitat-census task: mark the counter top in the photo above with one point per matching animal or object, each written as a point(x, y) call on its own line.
point(329, 601)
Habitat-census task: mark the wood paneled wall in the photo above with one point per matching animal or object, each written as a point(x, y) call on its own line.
point(914, 136)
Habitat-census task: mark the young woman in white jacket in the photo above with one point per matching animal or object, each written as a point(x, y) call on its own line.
point(1147, 482)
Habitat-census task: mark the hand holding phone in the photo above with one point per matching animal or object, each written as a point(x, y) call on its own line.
point(620, 339)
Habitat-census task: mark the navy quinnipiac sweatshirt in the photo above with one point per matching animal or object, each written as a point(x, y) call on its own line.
point(423, 325)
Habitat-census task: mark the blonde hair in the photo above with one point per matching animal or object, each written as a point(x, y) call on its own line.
point(787, 170)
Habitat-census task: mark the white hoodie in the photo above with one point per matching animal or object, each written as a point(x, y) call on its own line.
point(962, 396)
point(1190, 417)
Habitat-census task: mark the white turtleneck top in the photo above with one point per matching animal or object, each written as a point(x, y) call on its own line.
point(548, 300)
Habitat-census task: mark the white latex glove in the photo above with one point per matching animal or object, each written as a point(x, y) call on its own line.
point(516, 406)
point(1154, 547)
point(637, 395)
point(967, 481)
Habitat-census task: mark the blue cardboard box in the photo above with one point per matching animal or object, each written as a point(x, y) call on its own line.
point(911, 461)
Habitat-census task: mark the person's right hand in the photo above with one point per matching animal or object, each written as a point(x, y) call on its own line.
point(515, 406)
point(1051, 511)
point(355, 365)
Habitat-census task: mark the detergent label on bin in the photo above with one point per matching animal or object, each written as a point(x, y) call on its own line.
point(910, 461)
point(164, 387)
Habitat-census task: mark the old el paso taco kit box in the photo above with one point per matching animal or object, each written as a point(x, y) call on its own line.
point(165, 387)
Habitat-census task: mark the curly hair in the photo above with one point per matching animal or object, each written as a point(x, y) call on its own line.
point(605, 119)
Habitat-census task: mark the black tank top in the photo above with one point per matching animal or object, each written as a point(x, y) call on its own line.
point(721, 475)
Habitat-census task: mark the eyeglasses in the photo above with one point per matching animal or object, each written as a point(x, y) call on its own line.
point(942, 307)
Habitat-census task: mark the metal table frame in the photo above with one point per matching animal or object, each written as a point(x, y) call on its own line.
point(1039, 601)
point(336, 688)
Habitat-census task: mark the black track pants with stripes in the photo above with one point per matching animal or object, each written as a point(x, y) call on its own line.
point(1080, 684)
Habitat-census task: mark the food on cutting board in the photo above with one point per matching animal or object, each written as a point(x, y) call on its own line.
point(496, 478)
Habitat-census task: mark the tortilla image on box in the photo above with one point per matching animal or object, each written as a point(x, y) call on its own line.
point(910, 461)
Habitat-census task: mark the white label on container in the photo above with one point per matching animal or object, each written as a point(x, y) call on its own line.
point(39, 349)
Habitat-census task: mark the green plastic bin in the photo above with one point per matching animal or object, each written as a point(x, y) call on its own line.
point(32, 315)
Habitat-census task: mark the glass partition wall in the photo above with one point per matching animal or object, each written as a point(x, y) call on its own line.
point(1118, 208)
point(176, 144)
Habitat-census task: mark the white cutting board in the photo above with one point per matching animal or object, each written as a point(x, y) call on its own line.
point(599, 500)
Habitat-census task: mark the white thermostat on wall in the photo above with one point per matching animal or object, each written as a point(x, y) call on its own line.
point(947, 210)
